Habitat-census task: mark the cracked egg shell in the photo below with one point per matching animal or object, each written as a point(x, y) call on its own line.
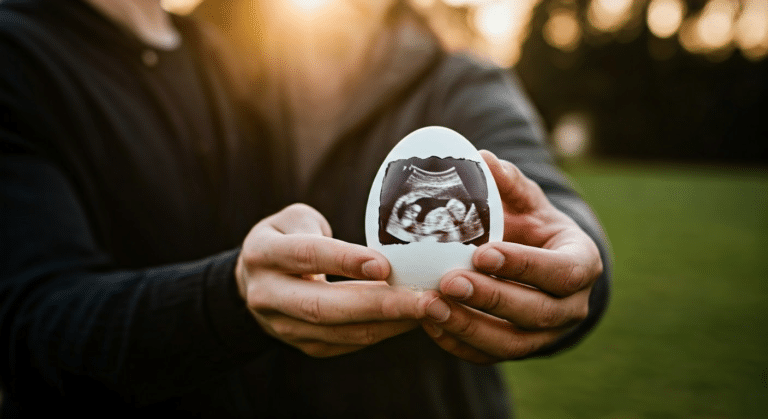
point(432, 203)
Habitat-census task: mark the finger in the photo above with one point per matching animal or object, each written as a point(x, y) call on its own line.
point(518, 193)
point(325, 350)
point(521, 305)
point(357, 334)
point(320, 302)
point(312, 348)
point(312, 254)
point(300, 219)
point(484, 332)
point(456, 347)
point(562, 272)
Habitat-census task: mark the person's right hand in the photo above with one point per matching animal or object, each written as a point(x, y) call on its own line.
point(281, 275)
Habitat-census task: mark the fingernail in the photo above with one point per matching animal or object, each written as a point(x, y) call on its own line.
point(491, 260)
point(459, 287)
point(432, 329)
point(438, 310)
point(372, 269)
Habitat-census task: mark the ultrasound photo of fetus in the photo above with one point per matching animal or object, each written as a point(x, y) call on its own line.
point(435, 199)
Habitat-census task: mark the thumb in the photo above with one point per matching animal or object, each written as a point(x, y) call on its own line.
point(518, 193)
point(300, 219)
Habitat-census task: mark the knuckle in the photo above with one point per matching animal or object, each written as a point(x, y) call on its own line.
point(512, 170)
point(284, 330)
point(495, 301)
point(581, 313)
point(394, 307)
point(599, 268)
point(523, 267)
point(387, 308)
point(574, 279)
point(547, 315)
point(518, 348)
point(346, 263)
point(449, 344)
point(253, 256)
point(368, 336)
point(257, 301)
point(304, 212)
point(310, 311)
point(298, 209)
point(315, 349)
point(534, 191)
point(465, 329)
point(306, 256)
point(511, 350)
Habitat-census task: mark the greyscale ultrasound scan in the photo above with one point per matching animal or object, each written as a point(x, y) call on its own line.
point(435, 199)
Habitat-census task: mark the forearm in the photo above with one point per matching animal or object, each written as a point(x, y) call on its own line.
point(71, 320)
point(146, 335)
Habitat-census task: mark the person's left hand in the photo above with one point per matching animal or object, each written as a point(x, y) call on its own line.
point(528, 290)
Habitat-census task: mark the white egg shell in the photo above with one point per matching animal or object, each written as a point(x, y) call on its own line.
point(428, 213)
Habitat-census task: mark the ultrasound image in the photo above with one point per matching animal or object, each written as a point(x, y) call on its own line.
point(434, 200)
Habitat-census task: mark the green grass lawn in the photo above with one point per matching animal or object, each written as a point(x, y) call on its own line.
point(686, 333)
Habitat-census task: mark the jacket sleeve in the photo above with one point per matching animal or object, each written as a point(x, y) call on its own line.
point(69, 319)
point(488, 106)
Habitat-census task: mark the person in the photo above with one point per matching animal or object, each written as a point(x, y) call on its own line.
point(142, 272)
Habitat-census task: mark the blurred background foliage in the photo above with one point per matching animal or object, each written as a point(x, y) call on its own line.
point(646, 79)
point(657, 109)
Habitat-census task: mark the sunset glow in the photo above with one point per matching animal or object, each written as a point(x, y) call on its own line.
point(497, 29)
point(309, 6)
point(180, 7)
point(496, 20)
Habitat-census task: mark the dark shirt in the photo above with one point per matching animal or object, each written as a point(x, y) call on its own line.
point(118, 182)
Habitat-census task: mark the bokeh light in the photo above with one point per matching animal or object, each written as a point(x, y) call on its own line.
point(180, 7)
point(609, 15)
point(496, 21)
point(665, 16)
point(751, 34)
point(712, 31)
point(562, 29)
point(715, 25)
point(423, 4)
point(460, 3)
point(497, 29)
point(503, 26)
point(571, 134)
point(689, 38)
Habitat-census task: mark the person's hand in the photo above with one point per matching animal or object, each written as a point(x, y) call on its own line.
point(530, 289)
point(281, 276)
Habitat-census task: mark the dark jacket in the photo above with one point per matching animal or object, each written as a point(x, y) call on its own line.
point(114, 300)
point(126, 186)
